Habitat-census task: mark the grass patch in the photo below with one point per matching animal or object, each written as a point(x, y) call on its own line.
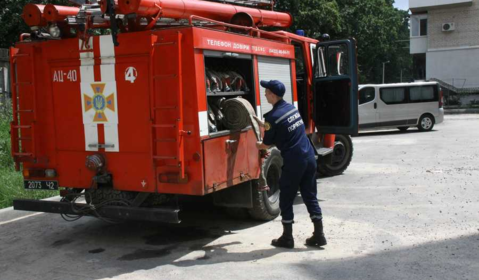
point(11, 181)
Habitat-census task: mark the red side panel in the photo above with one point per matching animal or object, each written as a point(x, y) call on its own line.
point(230, 160)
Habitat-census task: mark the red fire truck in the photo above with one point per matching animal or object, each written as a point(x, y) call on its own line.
point(131, 105)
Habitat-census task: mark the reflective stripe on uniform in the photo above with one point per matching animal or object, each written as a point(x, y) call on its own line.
point(287, 221)
point(285, 115)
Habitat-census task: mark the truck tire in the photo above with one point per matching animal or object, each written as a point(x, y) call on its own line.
point(341, 157)
point(266, 203)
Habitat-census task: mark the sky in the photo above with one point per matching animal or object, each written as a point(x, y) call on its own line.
point(401, 4)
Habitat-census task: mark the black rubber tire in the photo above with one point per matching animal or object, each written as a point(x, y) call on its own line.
point(342, 156)
point(403, 128)
point(426, 122)
point(266, 203)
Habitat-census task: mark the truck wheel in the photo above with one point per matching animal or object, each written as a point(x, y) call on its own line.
point(426, 123)
point(266, 203)
point(341, 157)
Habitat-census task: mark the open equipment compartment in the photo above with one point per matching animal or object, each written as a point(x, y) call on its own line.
point(228, 75)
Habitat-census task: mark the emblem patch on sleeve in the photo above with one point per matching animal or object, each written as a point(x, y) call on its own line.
point(267, 126)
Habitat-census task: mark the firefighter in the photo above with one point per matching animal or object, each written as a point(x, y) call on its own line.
point(285, 129)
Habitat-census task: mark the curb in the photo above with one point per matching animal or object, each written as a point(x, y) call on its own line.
point(461, 111)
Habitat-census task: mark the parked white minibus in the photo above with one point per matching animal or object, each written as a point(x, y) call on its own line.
point(401, 106)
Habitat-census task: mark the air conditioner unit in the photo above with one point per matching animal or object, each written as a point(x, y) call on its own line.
point(449, 26)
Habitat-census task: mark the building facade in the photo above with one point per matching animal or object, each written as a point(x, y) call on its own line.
point(445, 41)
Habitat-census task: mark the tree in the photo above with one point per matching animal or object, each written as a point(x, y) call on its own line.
point(377, 26)
point(313, 16)
point(11, 22)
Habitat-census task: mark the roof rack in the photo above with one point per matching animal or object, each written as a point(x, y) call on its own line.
point(268, 4)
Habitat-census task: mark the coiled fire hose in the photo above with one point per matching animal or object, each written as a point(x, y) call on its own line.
point(238, 114)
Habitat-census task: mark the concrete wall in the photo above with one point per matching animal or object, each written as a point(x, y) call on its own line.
point(466, 19)
point(420, 4)
point(454, 56)
point(458, 67)
point(418, 45)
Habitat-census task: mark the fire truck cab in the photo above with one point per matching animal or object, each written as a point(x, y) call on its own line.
point(132, 120)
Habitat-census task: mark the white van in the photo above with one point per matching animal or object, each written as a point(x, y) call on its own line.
point(400, 106)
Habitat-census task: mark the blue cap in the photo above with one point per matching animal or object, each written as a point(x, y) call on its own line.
point(300, 32)
point(275, 86)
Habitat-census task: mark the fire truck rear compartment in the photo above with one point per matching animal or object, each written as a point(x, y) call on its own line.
point(228, 75)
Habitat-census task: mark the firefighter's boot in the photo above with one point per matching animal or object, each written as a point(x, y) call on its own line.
point(318, 238)
point(286, 240)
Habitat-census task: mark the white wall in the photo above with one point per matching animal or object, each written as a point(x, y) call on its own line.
point(418, 45)
point(466, 20)
point(417, 4)
point(458, 67)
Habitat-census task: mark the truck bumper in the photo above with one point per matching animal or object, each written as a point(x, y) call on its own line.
point(164, 215)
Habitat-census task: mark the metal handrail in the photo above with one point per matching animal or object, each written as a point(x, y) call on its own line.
point(252, 30)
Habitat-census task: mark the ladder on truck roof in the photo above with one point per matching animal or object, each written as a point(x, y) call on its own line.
point(22, 133)
point(250, 3)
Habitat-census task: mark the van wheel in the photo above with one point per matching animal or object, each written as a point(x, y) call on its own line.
point(266, 203)
point(403, 128)
point(426, 123)
point(341, 157)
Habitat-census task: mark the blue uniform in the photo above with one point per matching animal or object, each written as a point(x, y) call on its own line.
point(285, 129)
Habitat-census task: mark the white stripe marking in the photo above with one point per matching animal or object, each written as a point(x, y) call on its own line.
point(285, 115)
point(111, 137)
point(258, 112)
point(87, 76)
point(91, 136)
point(107, 68)
point(203, 120)
point(21, 218)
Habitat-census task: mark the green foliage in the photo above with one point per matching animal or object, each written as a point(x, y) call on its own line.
point(11, 182)
point(313, 16)
point(381, 32)
point(11, 22)
point(378, 29)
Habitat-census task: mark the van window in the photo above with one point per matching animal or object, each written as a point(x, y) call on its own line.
point(422, 94)
point(393, 95)
point(366, 95)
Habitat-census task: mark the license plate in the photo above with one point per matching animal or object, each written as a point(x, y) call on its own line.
point(40, 185)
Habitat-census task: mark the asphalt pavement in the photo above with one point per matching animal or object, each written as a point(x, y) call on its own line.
point(406, 208)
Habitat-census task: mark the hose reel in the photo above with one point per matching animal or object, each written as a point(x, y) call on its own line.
point(238, 114)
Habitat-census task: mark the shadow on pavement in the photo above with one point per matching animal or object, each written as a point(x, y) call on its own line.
point(90, 249)
point(450, 259)
point(34, 245)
